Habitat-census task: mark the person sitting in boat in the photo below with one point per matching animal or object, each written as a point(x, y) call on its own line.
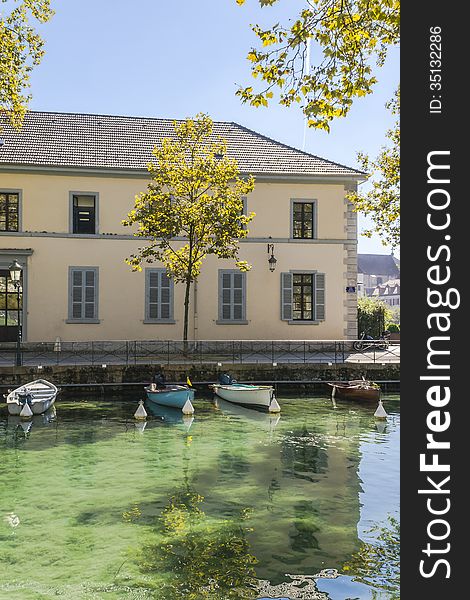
point(159, 381)
point(225, 379)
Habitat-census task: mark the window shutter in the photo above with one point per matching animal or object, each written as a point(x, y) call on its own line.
point(165, 296)
point(83, 294)
point(89, 295)
point(320, 297)
point(232, 296)
point(159, 295)
point(286, 296)
point(153, 291)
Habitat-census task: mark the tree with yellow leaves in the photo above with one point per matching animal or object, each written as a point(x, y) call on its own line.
point(193, 207)
point(349, 41)
point(21, 48)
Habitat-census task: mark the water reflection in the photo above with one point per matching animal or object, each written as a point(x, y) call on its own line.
point(223, 510)
point(169, 415)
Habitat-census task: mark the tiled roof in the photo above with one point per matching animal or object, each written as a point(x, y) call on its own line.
point(112, 142)
point(378, 264)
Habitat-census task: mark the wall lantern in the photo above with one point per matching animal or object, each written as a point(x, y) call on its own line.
point(271, 260)
point(15, 272)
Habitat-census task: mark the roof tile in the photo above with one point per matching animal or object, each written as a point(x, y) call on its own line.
point(72, 140)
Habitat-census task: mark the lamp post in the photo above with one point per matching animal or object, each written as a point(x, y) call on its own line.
point(271, 260)
point(15, 275)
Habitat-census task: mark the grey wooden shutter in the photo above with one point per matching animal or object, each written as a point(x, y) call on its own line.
point(159, 295)
point(165, 296)
point(77, 294)
point(286, 296)
point(153, 290)
point(237, 296)
point(320, 297)
point(89, 293)
point(232, 295)
point(225, 296)
point(83, 293)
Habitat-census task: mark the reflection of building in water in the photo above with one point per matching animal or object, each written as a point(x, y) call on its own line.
point(303, 491)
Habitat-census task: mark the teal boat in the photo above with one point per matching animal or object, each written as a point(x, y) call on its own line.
point(175, 396)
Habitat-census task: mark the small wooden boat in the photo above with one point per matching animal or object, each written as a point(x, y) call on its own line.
point(359, 389)
point(174, 396)
point(253, 396)
point(38, 395)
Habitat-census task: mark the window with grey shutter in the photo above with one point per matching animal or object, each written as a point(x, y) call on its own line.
point(232, 297)
point(286, 296)
point(320, 297)
point(83, 294)
point(158, 296)
point(303, 297)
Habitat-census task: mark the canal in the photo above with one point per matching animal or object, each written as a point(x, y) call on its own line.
point(228, 503)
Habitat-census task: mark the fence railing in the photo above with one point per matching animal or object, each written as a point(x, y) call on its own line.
point(215, 352)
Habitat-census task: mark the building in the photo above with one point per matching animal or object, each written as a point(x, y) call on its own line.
point(68, 180)
point(374, 270)
point(388, 292)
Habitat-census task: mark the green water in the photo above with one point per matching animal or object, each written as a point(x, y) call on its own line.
point(94, 505)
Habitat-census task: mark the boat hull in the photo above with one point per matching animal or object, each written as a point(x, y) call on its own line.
point(174, 397)
point(355, 392)
point(246, 395)
point(42, 397)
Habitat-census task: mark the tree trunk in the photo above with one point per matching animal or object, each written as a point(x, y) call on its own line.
point(186, 312)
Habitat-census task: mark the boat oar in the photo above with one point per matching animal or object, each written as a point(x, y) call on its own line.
point(140, 414)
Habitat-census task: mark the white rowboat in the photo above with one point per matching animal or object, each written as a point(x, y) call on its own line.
point(254, 396)
point(39, 395)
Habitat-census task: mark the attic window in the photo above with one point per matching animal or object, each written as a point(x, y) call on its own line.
point(84, 213)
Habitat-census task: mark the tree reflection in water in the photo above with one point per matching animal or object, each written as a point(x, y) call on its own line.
point(378, 564)
point(202, 557)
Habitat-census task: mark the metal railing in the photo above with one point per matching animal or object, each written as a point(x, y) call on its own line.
point(215, 352)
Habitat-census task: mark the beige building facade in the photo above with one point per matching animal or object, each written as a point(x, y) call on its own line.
point(62, 200)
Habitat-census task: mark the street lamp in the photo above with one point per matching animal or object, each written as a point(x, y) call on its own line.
point(271, 260)
point(15, 275)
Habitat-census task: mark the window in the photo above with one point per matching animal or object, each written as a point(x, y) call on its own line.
point(83, 294)
point(84, 210)
point(158, 296)
point(303, 214)
point(232, 297)
point(10, 308)
point(303, 297)
point(9, 211)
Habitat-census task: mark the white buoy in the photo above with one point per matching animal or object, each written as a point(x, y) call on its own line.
point(26, 412)
point(140, 425)
point(188, 421)
point(380, 412)
point(274, 406)
point(26, 425)
point(140, 414)
point(188, 408)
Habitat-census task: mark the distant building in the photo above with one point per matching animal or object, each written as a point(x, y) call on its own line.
point(374, 270)
point(388, 292)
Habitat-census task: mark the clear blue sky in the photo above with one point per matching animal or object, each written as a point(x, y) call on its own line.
point(159, 58)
